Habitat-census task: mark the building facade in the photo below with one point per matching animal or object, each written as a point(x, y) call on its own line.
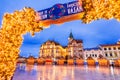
point(75, 47)
point(111, 51)
point(52, 49)
point(95, 53)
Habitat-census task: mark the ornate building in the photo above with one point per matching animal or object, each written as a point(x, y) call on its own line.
point(111, 51)
point(95, 53)
point(75, 47)
point(52, 49)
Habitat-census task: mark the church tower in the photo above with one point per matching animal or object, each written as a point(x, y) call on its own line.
point(75, 47)
point(70, 37)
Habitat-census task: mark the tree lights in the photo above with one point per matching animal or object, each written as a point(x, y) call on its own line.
point(13, 27)
point(97, 9)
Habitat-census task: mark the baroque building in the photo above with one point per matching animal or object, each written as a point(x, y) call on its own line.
point(111, 51)
point(95, 53)
point(75, 47)
point(52, 49)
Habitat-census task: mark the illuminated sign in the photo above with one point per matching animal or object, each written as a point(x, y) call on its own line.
point(60, 10)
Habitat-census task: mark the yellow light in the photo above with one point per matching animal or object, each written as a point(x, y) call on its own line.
point(13, 27)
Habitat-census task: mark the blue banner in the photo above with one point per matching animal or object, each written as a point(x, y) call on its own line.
point(60, 10)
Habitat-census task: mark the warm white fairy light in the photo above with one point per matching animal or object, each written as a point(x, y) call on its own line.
point(98, 9)
point(13, 27)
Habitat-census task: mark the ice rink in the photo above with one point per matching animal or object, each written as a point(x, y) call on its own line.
point(65, 72)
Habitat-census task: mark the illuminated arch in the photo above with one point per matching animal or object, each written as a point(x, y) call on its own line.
point(20, 22)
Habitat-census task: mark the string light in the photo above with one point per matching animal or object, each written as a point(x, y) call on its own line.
point(13, 27)
point(98, 9)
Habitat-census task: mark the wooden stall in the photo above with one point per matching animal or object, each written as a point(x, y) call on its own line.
point(60, 61)
point(21, 60)
point(48, 61)
point(80, 61)
point(117, 63)
point(70, 62)
point(103, 62)
point(40, 61)
point(30, 60)
point(90, 61)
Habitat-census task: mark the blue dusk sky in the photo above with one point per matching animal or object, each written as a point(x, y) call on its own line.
point(93, 34)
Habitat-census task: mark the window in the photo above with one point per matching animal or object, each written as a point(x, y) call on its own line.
point(56, 51)
point(114, 48)
point(95, 55)
point(52, 51)
point(106, 54)
point(86, 55)
point(111, 55)
point(109, 48)
point(115, 54)
point(105, 48)
point(92, 55)
point(118, 48)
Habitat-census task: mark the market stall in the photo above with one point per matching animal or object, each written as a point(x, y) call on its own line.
point(117, 63)
point(30, 60)
point(90, 61)
point(103, 62)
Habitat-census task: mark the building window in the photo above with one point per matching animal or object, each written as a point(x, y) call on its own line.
point(115, 53)
point(86, 55)
point(105, 48)
point(118, 48)
point(114, 48)
point(106, 54)
point(109, 48)
point(95, 55)
point(111, 55)
point(52, 51)
point(90, 55)
point(56, 51)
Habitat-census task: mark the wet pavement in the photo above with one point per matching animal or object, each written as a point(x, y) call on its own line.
point(52, 72)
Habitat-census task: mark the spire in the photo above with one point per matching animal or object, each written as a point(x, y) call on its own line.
point(71, 35)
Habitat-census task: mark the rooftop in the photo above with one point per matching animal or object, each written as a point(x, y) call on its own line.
point(95, 48)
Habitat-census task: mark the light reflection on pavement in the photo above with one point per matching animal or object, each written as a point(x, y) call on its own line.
point(51, 72)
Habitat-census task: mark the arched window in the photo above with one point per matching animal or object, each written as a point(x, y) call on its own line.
point(106, 54)
point(111, 55)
